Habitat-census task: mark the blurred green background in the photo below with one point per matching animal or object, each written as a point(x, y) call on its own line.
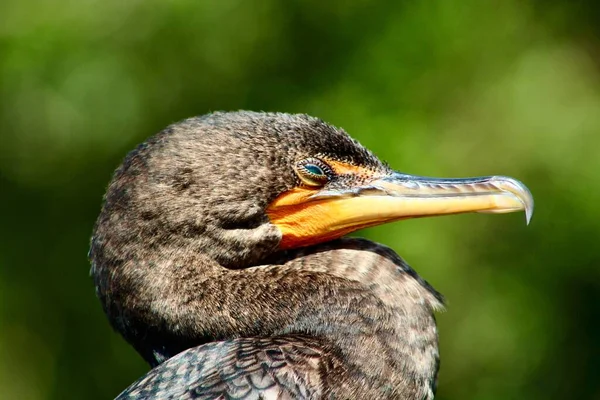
point(442, 88)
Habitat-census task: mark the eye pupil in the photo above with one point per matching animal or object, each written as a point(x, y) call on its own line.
point(314, 169)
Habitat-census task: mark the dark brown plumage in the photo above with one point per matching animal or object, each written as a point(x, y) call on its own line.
point(185, 256)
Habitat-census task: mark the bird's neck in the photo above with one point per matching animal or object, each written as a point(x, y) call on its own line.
point(359, 298)
point(380, 314)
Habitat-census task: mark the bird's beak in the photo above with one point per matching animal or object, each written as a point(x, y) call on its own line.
point(307, 216)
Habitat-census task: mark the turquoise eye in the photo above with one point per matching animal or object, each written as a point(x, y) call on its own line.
point(313, 172)
point(313, 169)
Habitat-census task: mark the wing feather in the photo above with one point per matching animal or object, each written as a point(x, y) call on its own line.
point(280, 368)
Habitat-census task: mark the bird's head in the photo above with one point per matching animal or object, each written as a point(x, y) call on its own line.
point(241, 186)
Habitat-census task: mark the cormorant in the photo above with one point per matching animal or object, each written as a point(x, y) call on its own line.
point(217, 255)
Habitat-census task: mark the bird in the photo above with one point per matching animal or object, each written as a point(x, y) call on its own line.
point(220, 254)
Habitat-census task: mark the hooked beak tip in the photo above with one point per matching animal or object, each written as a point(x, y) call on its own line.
point(517, 189)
